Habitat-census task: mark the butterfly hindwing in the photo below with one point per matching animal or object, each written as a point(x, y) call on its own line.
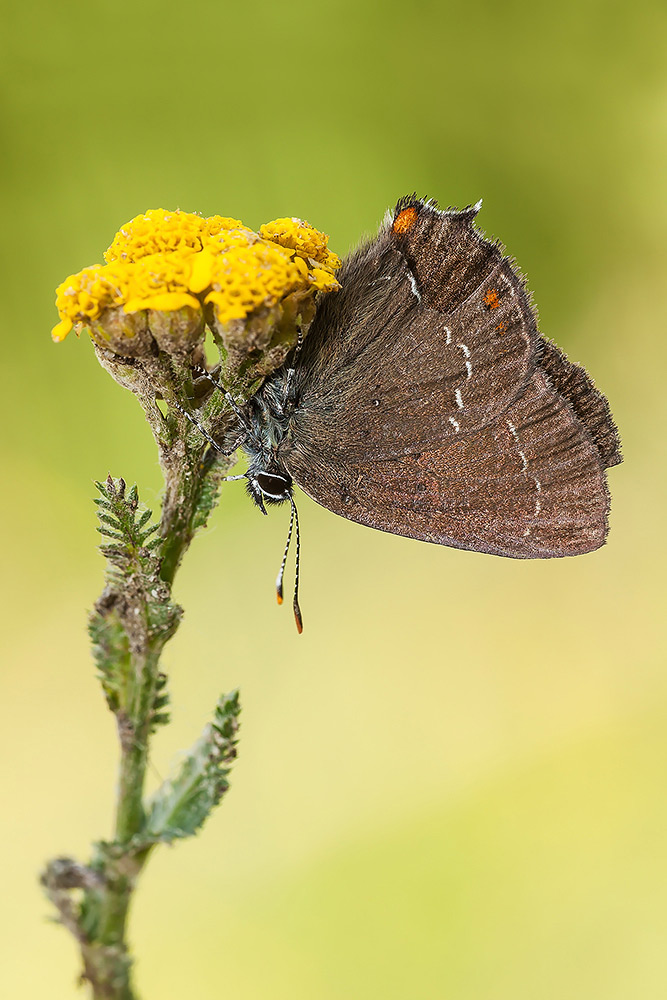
point(531, 485)
point(592, 408)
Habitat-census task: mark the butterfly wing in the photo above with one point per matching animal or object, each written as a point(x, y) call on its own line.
point(424, 404)
point(530, 485)
point(417, 368)
point(450, 260)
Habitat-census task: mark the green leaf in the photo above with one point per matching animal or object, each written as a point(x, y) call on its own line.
point(113, 521)
point(108, 533)
point(111, 652)
point(122, 520)
point(160, 701)
point(182, 803)
point(136, 610)
point(143, 518)
point(210, 491)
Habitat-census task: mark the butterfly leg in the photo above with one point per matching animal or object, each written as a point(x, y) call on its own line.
point(291, 371)
point(204, 373)
point(211, 440)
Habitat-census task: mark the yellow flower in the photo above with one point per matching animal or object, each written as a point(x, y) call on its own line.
point(160, 281)
point(204, 263)
point(246, 277)
point(157, 231)
point(300, 236)
point(82, 297)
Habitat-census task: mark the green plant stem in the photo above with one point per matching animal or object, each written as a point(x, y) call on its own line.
point(112, 962)
point(132, 621)
point(137, 638)
point(177, 529)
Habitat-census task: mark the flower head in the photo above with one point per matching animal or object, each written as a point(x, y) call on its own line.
point(82, 297)
point(158, 231)
point(308, 242)
point(181, 264)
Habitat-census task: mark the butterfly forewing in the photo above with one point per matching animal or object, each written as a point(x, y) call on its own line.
point(383, 362)
point(427, 404)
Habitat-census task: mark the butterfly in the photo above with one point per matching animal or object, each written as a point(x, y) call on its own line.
point(424, 402)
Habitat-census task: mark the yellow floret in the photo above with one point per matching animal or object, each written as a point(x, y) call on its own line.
point(303, 238)
point(244, 278)
point(157, 231)
point(323, 281)
point(82, 297)
point(218, 224)
point(160, 281)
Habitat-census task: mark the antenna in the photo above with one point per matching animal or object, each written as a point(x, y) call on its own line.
point(281, 571)
point(293, 521)
point(295, 603)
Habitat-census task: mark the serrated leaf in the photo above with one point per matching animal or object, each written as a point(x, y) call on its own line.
point(209, 492)
point(110, 552)
point(108, 533)
point(111, 652)
point(182, 803)
point(121, 520)
point(110, 519)
point(143, 518)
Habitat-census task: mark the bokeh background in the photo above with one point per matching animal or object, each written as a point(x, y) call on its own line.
point(453, 784)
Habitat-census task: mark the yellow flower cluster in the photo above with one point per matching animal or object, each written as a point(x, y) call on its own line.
point(167, 260)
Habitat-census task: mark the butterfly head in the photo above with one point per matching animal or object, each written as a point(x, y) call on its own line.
point(270, 483)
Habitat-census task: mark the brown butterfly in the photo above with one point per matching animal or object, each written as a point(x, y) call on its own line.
point(424, 402)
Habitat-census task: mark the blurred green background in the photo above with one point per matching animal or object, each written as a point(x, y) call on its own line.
point(453, 784)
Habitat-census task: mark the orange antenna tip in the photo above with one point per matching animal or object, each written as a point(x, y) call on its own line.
point(297, 618)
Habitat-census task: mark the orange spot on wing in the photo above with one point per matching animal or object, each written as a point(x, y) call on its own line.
point(491, 298)
point(501, 327)
point(404, 221)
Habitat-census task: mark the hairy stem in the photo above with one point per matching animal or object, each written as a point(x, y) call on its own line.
point(131, 623)
point(110, 961)
point(133, 620)
point(176, 528)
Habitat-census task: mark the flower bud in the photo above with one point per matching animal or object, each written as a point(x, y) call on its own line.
point(178, 331)
point(123, 333)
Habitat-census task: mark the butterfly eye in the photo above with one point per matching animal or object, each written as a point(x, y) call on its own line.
point(277, 487)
